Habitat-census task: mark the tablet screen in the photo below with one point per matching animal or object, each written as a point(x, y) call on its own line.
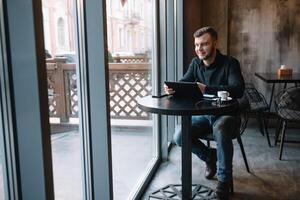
point(185, 89)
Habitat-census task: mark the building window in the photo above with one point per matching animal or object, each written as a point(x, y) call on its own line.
point(121, 38)
point(61, 32)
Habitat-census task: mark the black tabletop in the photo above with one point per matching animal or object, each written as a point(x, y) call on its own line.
point(274, 78)
point(179, 106)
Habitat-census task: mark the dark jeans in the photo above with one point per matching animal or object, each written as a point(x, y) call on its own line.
point(224, 129)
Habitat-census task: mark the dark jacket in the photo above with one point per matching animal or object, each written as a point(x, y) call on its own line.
point(223, 74)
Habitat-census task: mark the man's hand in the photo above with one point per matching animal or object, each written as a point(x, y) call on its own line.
point(201, 87)
point(168, 90)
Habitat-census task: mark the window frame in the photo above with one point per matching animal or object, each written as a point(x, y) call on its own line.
point(27, 90)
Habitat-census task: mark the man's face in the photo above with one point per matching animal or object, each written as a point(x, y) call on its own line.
point(205, 46)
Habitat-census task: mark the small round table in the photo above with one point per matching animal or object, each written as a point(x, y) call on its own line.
point(186, 108)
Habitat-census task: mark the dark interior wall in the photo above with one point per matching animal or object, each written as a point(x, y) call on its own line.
point(265, 34)
point(199, 13)
point(215, 14)
point(261, 34)
point(191, 22)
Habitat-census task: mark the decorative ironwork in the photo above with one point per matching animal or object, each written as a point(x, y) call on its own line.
point(173, 191)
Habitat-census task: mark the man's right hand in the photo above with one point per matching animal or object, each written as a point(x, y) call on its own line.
point(201, 87)
point(168, 90)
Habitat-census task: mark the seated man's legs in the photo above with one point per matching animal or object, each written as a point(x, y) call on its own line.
point(225, 129)
point(203, 125)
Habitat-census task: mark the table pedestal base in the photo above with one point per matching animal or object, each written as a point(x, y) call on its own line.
point(173, 191)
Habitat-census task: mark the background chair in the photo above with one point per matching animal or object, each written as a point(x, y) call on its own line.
point(287, 106)
point(258, 106)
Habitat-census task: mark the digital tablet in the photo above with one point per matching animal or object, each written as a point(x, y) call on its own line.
point(185, 89)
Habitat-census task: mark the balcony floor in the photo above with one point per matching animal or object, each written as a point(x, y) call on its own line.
point(131, 152)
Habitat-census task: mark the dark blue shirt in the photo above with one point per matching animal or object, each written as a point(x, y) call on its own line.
point(223, 74)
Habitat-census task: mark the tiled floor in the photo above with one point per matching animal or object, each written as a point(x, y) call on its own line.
point(270, 179)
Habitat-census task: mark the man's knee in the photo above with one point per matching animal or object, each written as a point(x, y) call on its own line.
point(226, 126)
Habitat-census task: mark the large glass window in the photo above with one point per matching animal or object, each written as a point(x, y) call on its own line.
point(63, 97)
point(3, 191)
point(130, 78)
point(3, 183)
point(3, 172)
point(60, 32)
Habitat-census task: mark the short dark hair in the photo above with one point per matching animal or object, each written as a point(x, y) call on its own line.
point(211, 31)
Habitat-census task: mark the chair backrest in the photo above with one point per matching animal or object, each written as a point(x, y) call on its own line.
point(256, 99)
point(244, 106)
point(287, 104)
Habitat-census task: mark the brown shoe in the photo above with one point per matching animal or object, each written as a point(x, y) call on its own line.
point(211, 166)
point(223, 190)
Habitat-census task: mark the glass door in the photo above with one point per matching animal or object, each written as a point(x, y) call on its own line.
point(130, 34)
point(61, 53)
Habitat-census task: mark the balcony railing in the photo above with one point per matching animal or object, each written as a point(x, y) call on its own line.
point(128, 80)
point(143, 58)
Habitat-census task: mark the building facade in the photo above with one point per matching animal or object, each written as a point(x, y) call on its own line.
point(128, 26)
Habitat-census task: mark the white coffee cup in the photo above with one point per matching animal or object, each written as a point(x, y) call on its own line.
point(223, 95)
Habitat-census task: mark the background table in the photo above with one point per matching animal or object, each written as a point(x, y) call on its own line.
point(273, 78)
point(186, 108)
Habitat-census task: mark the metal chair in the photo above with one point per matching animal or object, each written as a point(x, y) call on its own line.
point(287, 106)
point(259, 107)
point(243, 105)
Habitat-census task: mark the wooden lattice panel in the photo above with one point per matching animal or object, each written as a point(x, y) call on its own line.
point(125, 88)
point(128, 81)
point(52, 98)
point(72, 96)
point(132, 59)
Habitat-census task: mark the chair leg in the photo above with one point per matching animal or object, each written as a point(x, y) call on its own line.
point(265, 128)
point(239, 139)
point(278, 129)
point(282, 138)
point(231, 186)
point(244, 123)
point(258, 118)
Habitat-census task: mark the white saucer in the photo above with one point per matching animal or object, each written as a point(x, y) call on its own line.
point(228, 99)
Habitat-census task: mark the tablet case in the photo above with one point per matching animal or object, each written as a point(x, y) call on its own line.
point(185, 89)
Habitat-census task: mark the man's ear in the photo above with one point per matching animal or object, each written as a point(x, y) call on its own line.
point(216, 43)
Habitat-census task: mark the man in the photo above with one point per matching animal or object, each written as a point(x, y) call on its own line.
point(214, 72)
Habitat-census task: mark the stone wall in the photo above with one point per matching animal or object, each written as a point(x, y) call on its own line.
point(265, 34)
point(262, 34)
point(192, 21)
